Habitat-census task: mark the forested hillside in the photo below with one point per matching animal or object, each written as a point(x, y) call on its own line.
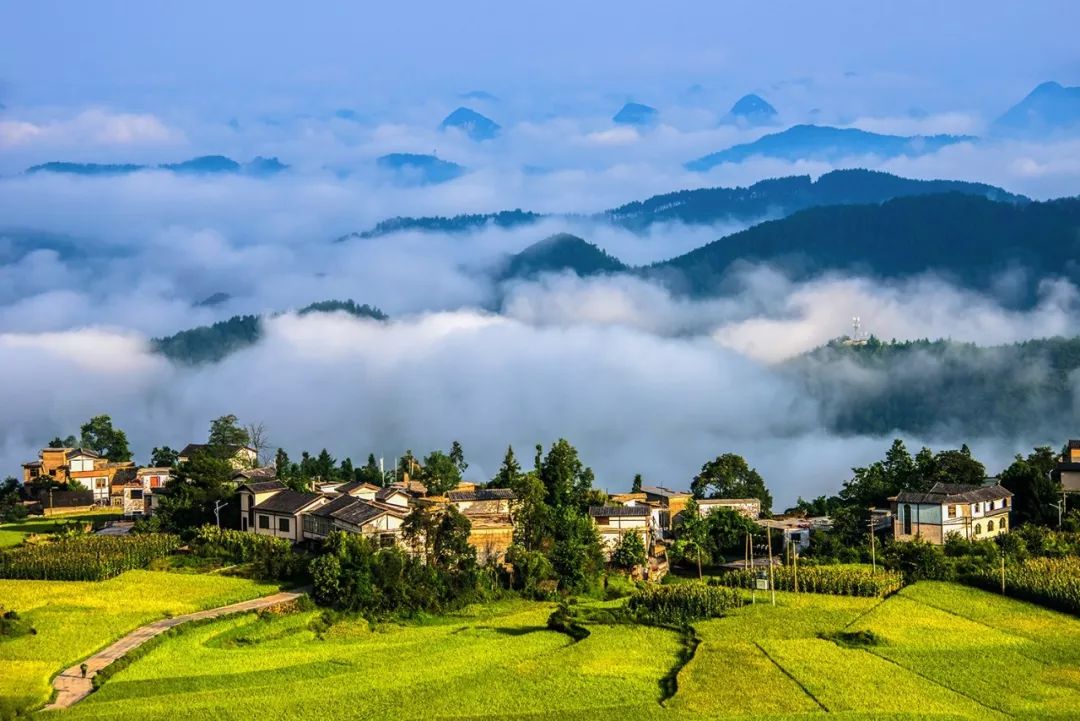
point(925, 386)
point(773, 198)
point(212, 343)
point(967, 238)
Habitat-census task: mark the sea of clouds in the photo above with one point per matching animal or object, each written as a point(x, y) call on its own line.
point(639, 379)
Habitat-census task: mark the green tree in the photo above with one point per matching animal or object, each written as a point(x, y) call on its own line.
point(629, 552)
point(726, 530)
point(346, 472)
point(163, 457)
point(226, 434)
point(323, 468)
point(69, 442)
point(189, 502)
point(440, 474)
point(1034, 490)
point(530, 514)
point(730, 476)
point(691, 537)
point(575, 553)
point(99, 435)
point(509, 472)
point(369, 472)
point(635, 487)
point(457, 455)
point(282, 464)
point(566, 479)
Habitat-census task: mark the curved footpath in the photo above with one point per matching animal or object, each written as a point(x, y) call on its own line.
point(72, 686)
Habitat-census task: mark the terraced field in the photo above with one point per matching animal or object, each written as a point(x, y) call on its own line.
point(74, 619)
point(946, 652)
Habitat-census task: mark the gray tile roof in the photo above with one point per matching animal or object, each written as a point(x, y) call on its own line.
point(264, 486)
point(287, 501)
point(622, 511)
point(954, 493)
point(663, 492)
point(482, 494)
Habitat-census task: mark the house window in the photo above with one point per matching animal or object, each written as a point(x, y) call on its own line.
point(264, 522)
point(952, 511)
point(978, 528)
point(907, 519)
point(283, 525)
point(1001, 524)
point(973, 507)
point(1004, 502)
point(136, 494)
point(989, 526)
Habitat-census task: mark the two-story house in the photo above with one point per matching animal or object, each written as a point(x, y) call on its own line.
point(614, 522)
point(972, 512)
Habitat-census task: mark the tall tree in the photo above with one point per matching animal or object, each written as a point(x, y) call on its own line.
point(635, 487)
point(730, 476)
point(282, 464)
point(369, 472)
point(69, 442)
point(566, 479)
point(440, 474)
point(163, 457)
point(99, 435)
point(259, 439)
point(226, 433)
point(509, 471)
point(457, 455)
point(1034, 490)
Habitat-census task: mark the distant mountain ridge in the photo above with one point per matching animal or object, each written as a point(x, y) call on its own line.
point(637, 115)
point(1049, 108)
point(771, 198)
point(418, 169)
point(752, 110)
point(212, 343)
point(822, 142)
point(202, 165)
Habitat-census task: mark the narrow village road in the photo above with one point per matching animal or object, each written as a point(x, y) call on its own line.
point(73, 686)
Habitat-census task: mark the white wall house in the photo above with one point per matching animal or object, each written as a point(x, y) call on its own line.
point(614, 522)
point(972, 512)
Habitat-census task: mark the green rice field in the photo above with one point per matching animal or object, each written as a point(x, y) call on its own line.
point(12, 534)
point(943, 651)
point(73, 619)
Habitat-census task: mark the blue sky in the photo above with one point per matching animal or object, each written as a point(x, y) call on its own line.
point(146, 55)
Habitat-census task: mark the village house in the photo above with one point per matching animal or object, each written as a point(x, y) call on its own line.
point(671, 504)
point(748, 507)
point(252, 494)
point(614, 522)
point(240, 457)
point(151, 481)
point(490, 513)
point(970, 511)
point(281, 514)
point(88, 468)
point(381, 522)
point(1067, 471)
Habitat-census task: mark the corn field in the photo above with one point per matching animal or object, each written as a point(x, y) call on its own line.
point(85, 558)
point(835, 580)
point(680, 604)
point(1053, 582)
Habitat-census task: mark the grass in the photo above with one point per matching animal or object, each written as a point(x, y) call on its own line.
point(12, 534)
point(74, 619)
point(940, 651)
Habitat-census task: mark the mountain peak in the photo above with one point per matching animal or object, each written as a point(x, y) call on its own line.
point(559, 253)
point(752, 109)
point(636, 114)
point(1050, 107)
point(472, 123)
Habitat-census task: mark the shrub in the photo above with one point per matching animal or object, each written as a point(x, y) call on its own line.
point(629, 552)
point(835, 580)
point(271, 558)
point(683, 603)
point(12, 625)
point(85, 558)
point(917, 561)
point(531, 572)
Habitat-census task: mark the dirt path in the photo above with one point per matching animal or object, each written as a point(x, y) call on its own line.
point(73, 686)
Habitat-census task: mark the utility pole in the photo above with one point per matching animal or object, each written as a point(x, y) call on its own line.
point(772, 586)
point(218, 505)
point(873, 551)
point(753, 569)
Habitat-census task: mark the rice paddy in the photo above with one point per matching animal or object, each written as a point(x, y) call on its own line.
point(941, 651)
point(73, 619)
